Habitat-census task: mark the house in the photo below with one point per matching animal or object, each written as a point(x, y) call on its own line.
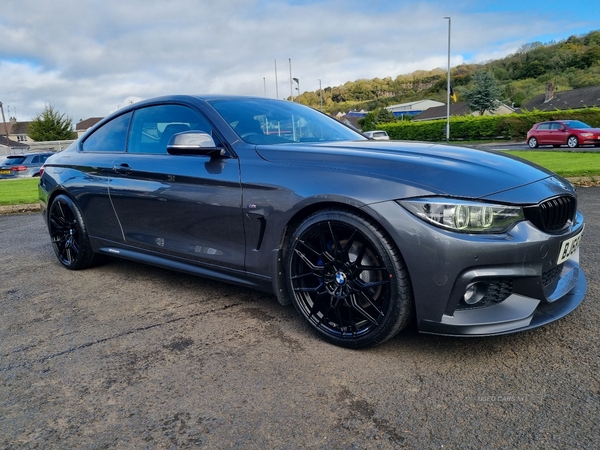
point(552, 100)
point(16, 131)
point(413, 108)
point(459, 109)
point(12, 147)
point(86, 124)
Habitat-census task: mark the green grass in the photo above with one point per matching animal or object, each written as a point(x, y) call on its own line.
point(21, 191)
point(566, 164)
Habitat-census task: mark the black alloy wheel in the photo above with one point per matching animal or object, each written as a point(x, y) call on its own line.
point(68, 234)
point(348, 280)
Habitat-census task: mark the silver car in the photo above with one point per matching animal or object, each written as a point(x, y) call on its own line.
point(23, 166)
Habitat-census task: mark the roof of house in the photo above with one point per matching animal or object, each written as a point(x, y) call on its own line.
point(439, 112)
point(573, 99)
point(14, 127)
point(83, 125)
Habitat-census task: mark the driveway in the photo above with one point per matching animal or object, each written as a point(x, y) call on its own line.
point(130, 356)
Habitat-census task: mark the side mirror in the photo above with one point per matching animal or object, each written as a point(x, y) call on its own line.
point(193, 143)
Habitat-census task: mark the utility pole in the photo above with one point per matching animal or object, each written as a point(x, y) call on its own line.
point(448, 87)
point(5, 128)
point(291, 87)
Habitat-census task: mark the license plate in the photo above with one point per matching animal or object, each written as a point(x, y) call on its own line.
point(568, 247)
point(4, 172)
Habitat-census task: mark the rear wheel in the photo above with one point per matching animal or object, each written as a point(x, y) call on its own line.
point(572, 142)
point(532, 142)
point(347, 279)
point(69, 235)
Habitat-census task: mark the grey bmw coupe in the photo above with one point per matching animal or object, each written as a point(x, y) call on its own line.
point(361, 236)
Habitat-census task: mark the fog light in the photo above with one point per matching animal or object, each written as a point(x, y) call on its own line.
point(475, 292)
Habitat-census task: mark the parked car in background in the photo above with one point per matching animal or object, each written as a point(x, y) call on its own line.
point(360, 236)
point(22, 166)
point(571, 133)
point(378, 135)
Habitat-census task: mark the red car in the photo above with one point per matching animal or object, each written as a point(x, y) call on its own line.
point(572, 133)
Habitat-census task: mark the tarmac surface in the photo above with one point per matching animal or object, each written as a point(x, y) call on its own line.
point(129, 356)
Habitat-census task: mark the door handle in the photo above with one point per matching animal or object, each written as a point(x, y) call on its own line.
point(124, 169)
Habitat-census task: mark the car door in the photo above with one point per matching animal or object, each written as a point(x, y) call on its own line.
point(182, 205)
point(543, 133)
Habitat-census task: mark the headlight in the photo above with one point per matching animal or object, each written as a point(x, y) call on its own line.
point(465, 216)
point(586, 134)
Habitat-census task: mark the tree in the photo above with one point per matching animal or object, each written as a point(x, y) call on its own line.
point(484, 95)
point(51, 125)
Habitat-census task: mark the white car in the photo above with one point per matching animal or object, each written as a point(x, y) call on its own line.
point(378, 135)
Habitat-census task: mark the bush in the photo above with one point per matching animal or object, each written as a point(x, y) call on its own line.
point(471, 128)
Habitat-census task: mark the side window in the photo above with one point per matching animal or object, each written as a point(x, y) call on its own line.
point(152, 127)
point(544, 126)
point(110, 137)
point(556, 126)
point(35, 159)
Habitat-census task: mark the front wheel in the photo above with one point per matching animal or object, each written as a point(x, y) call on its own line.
point(69, 235)
point(347, 279)
point(532, 142)
point(572, 142)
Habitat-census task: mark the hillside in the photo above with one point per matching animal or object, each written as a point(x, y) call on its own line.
point(572, 63)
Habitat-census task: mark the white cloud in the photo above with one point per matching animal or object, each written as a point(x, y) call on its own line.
point(88, 58)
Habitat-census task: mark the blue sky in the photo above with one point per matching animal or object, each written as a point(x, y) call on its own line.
point(88, 58)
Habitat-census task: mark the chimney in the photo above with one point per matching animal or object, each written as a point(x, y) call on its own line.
point(549, 91)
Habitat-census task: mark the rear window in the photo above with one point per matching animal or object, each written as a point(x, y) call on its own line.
point(12, 160)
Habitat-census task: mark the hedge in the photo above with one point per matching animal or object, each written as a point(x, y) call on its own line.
point(471, 128)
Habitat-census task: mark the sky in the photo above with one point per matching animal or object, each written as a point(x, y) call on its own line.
point(88, 58)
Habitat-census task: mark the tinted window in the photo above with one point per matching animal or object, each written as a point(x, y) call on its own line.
point(544, 126)
point(11, 160)
point(35, 159)
point(110, 137)
point(152, 127)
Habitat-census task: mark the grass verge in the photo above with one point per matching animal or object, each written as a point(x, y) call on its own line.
point(21, 191)
point(566, 164)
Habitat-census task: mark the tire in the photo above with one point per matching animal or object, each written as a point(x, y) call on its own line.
point(347, 279)
point(69, 235)
point(532, 142)
point(572, 142)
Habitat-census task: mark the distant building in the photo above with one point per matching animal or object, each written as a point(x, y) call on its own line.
point(552, 100)
point(413, 108)
point(459, 109)
point(84, 125)
point(17, 131)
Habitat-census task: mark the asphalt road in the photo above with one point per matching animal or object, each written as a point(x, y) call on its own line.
point(130, 356)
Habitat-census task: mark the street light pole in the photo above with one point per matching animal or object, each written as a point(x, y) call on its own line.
point(276, 86)
point(448, 87)
point(321, 94)
point(291, 87)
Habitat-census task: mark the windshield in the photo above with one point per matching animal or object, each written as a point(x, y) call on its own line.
point(576, 124)
point(264, 121)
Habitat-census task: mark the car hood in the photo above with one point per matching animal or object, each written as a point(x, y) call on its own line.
point(434, 168)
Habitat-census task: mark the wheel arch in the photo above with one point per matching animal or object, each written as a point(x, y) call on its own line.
point(279, 283)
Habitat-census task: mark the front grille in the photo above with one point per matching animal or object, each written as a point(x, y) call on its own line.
point(552, 215)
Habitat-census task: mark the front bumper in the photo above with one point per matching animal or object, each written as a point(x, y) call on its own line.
point(443, 264)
